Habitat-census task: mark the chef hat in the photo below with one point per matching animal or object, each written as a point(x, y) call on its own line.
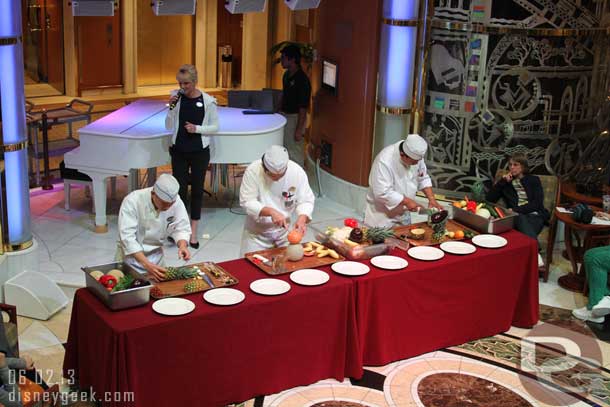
point(414, 146)
point(166, 188)
point(276, 159)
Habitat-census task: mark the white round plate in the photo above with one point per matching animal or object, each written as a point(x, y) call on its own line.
point(173, 306)
point(309, 277)
point(270, 286)
point(224, 296)
point(458, 247)
point(426, 253)
point(350, 268)
point(489, 241)
point(389, 262)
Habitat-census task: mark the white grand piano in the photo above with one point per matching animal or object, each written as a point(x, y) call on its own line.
point(134, 137)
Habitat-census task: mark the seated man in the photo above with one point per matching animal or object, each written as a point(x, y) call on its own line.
point(272, 189)
point(597, 265)
point(147, 217)
point(524, 195)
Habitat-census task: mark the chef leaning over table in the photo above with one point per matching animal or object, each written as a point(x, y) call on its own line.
point(272, 189)
point(146, 218)
point(398, 172)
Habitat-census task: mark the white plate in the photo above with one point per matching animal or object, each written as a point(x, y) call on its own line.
point(426, 253)
point(389, 262)
point(224, 296)
point(350, 268)
point(270, 286)
point(173, 306)
point(489, 241)
point(309, 277)
point(458, 247)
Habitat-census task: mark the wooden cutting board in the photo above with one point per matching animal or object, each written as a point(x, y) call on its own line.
point(451, 226)
point(219, 276)
point(290, 266)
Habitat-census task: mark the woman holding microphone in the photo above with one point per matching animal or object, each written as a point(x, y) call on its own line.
point(192, 116)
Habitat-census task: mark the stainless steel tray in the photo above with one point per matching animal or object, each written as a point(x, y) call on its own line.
point(483, 225)
point(132, 297)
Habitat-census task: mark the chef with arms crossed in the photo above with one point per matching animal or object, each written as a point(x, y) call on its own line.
point(398, 172)
point(146, 218)
point(272, 189)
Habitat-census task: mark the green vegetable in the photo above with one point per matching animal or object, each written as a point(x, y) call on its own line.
point(124, 283)
point(468, 234)
point(491, 210)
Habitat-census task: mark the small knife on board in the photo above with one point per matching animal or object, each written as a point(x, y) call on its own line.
point(263, 260)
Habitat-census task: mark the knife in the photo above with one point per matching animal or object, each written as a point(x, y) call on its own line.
point(263, 260)
point(207, 279)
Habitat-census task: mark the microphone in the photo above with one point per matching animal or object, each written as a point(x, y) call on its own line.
point(173, 104)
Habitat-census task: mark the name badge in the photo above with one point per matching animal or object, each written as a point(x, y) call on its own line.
point(199, 104)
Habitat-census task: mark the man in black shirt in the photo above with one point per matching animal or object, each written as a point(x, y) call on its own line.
point(296, 93)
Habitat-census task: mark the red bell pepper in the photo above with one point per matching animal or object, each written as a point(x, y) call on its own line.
point(471, 206)
point(108, 281)
point(351, 222)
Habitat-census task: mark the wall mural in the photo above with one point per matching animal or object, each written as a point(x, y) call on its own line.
point(492, 93)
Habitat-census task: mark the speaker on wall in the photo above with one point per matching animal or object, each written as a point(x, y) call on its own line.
point(244, 6)
point(92, 8)
point(302, 4)
point(173, 7)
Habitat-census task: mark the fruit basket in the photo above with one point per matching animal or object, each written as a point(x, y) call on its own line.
point(484, 217)
point(126, 297)
point(354, 242)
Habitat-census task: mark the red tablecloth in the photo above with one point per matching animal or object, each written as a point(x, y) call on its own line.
point(216, 355)
point(432, 305)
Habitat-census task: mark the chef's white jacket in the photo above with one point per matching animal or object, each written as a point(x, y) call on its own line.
point(390, 181)
point(143, 228)
point(291, 194)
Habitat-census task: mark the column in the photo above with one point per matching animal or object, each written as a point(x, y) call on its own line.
point(16, 196)
point(205, 42)
point(255, 50)
point(398, 71)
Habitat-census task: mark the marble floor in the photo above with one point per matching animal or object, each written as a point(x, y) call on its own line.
point(483, 373)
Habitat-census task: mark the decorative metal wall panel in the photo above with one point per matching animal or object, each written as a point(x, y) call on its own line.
point(507, 76)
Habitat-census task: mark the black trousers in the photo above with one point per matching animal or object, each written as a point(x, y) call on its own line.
point(529, 224)
point(190, 168)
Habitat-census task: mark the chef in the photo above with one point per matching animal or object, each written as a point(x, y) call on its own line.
point(398, 172)
point(146, 218)
point(272, 189)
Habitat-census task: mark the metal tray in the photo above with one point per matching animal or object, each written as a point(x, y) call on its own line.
point(132, 297)
point(483, 225)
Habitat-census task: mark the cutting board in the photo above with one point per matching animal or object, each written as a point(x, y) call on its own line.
point(219, 276)
point(306, 262)
point(451, 226)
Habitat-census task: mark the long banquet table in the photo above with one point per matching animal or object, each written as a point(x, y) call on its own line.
point(218, 355)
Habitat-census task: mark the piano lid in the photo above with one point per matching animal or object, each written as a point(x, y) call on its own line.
point(146, 119)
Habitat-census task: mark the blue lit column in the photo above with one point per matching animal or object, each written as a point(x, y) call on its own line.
point(14, 140)
point(399, 68)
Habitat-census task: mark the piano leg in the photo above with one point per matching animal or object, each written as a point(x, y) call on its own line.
point(99, 198)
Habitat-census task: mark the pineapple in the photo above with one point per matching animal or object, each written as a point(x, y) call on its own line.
point(194, 285)
point(438, 222)
point(378, 235)
point(180, 273)
point(478, 191)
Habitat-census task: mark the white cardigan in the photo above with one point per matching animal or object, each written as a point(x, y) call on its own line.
point(208, 126)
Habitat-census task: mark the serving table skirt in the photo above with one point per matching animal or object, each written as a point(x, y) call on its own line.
point(433, 305)
point(215, 355)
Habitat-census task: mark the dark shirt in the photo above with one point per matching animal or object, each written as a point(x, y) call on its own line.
point(192, 111)
point(296, 92)
point(533, 190)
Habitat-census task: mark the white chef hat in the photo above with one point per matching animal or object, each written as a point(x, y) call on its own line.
point(166, 188)
point(275, 159)
point(414, 146)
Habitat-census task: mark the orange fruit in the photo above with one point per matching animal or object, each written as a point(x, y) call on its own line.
point(459, 234)
point(295, 236)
